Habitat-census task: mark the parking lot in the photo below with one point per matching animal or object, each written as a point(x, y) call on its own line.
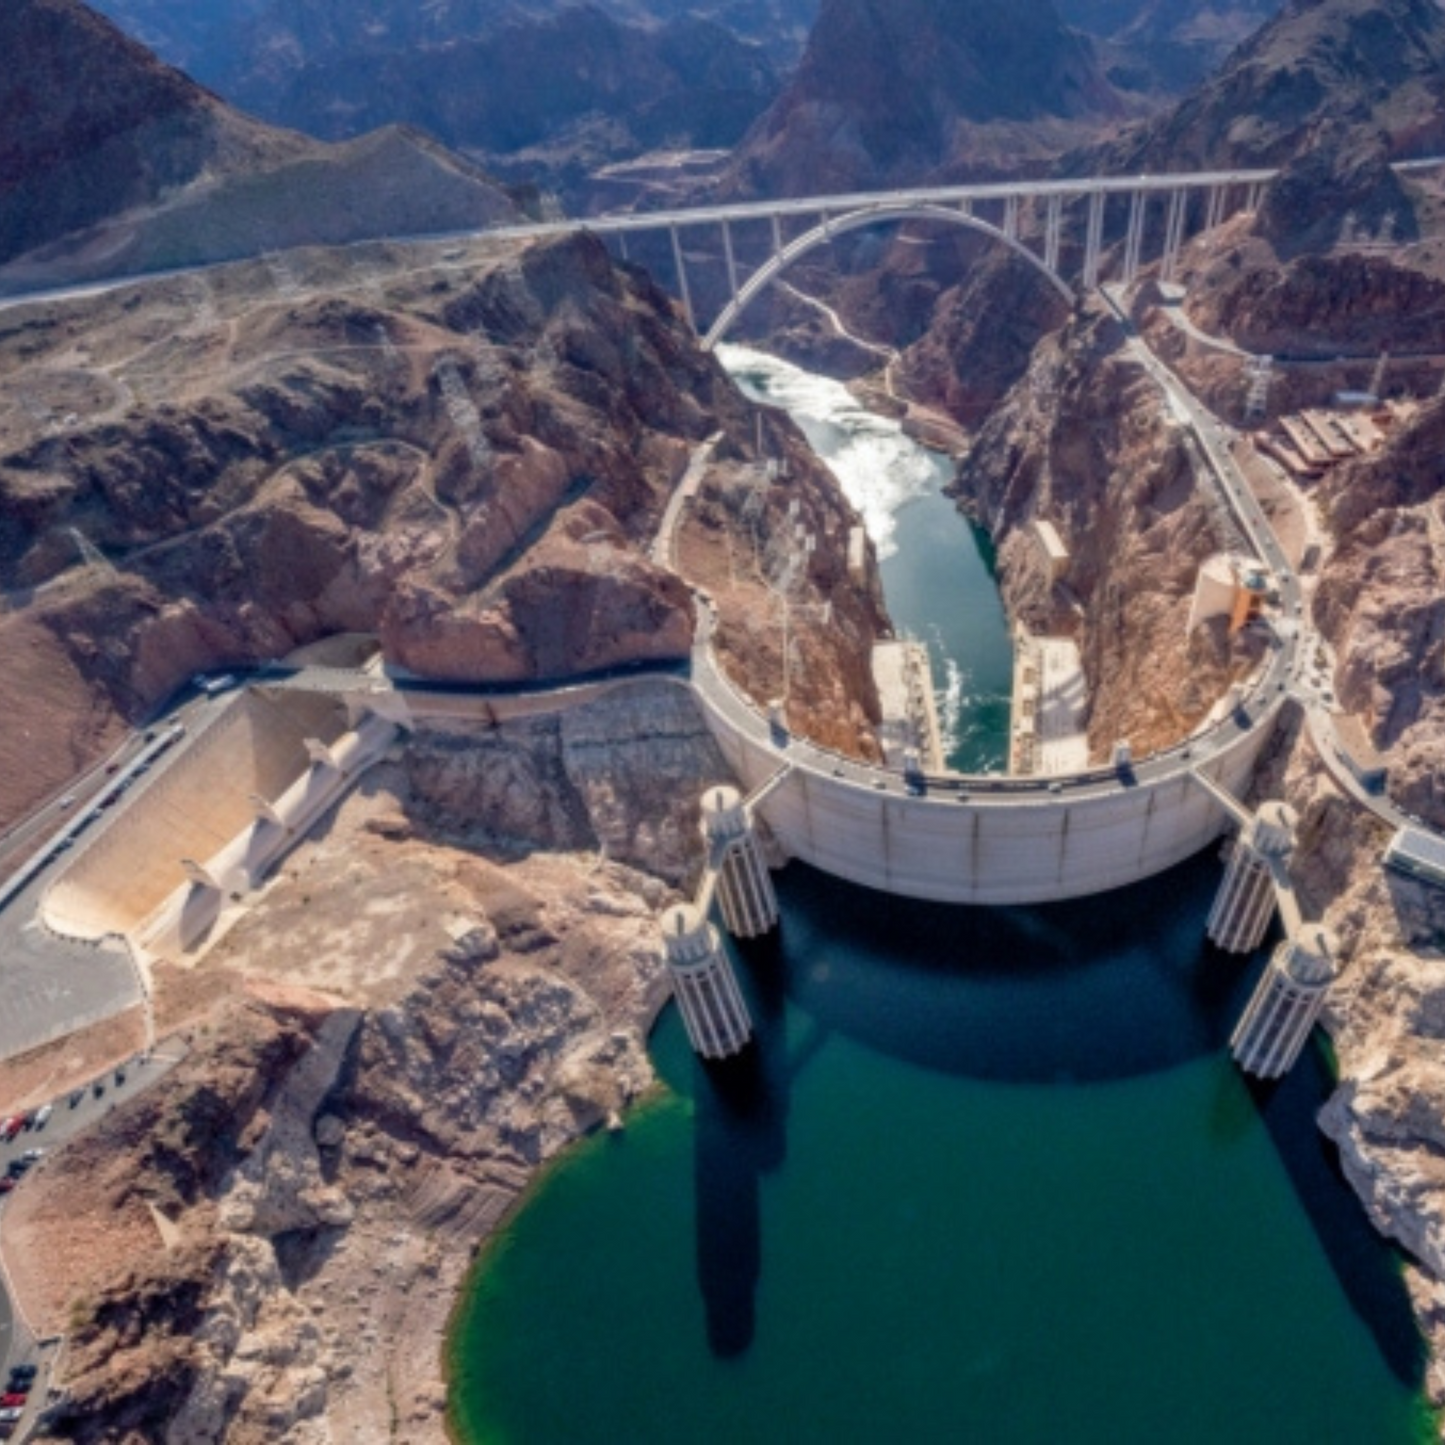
point(72, 1112)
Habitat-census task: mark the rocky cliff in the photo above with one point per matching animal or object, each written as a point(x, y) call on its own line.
point(1373, 66)
point(469, 459)
point(266, 1245)
point(1084, 441)
point(111, 161)
point(888, 93)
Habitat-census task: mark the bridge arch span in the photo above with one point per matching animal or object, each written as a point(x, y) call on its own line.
point(856, 220)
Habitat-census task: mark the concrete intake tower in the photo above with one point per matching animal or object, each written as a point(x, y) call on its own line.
point(703, 983)
point(1245, 902)
point(1278, 1019)
point(744, 886)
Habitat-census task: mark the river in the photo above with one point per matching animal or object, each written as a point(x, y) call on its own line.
point(988, 1175)
point(937, 569)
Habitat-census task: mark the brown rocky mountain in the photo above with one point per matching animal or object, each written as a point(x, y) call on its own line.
point(1374, 67)
point(890, 92)
point(518, 82)
point(1163, 46)
point(557, 87)
point(137, 167)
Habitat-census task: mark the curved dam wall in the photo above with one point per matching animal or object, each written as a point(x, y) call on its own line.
point(985, 841)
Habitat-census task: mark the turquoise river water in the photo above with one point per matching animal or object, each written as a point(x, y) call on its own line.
point(987, 1175)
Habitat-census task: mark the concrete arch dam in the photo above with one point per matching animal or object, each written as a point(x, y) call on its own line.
point(972, 845)
point(979, 840)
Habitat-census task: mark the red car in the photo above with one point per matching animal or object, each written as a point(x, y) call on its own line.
point(12, 1126)
point(14, 1400)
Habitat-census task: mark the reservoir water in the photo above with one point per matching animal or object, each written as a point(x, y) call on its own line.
point(986, 1176)
point(937, 569)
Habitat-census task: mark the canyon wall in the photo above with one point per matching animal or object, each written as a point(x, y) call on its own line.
point(437, 995)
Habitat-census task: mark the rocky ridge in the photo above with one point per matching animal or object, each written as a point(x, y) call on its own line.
point(112, 162)
point(1361, 68)
point(469, 459)
point(369, 1089)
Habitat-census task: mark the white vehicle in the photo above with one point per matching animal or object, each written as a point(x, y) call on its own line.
point(212, 685)
point(42, 1116)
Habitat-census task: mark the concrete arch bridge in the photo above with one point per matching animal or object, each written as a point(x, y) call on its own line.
point(1058, 226)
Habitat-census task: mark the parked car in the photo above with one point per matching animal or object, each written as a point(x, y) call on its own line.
point(42, 1115)
point(76, 1095)
point(31, 1155)
point(11, 1127)
point(11, 1415)
point(12, 1400)
point(7, 1184)
point(23, 1372)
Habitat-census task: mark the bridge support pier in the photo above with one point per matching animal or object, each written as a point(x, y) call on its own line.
point(1245, 901)
point(1134, 238)
point(713, 1010)
point(1256, 194)
point(1093, 240)
point(1174, 233)
point(1011, 218)
point(727, 234)
point(745, 887)
point(677, 262)
point(1278, 1019)
point(1053, 220)
point(777, 233)
point(1214, 207)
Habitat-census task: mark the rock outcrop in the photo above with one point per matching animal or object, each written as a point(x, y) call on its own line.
point(435, 997)
point(1375, 66)
point(1085, 442)
point(112, 162)
point(471, 461)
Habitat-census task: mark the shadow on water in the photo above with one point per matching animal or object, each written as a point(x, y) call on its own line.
point(1376, 1290)
point(1094, 991)
point(1087, 990)
point(741, 1133)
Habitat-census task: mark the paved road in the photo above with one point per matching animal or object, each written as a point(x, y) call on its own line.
point(1299, 638)
point(51, 986)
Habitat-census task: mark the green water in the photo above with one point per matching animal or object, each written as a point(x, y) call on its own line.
point(987, 1176)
